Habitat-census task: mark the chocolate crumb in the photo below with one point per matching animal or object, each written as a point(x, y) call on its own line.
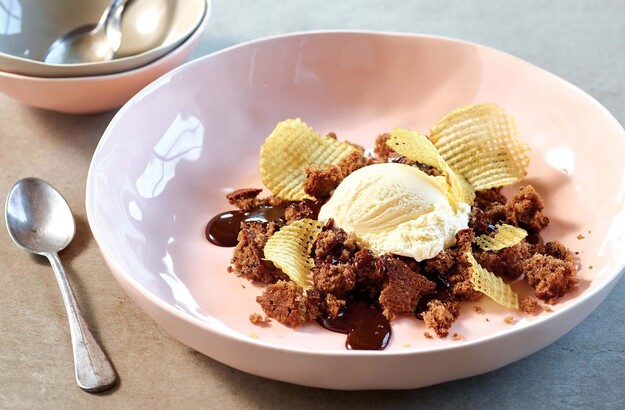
point(244, 199)
point(530, 306)
point(508, 320)
point(547, 308)
point(457, 336)
point(589, 266)
point(580, 236)
point(478, 309)
point(259, 320)
point(428, 336)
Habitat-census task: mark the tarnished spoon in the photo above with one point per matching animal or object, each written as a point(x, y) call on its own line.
point(40, 221)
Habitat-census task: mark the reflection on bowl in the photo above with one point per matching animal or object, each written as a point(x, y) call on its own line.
point(165, 162)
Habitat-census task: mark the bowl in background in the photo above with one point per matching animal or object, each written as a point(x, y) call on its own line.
point(88, 95)
point(169, 156)
point(150, 29)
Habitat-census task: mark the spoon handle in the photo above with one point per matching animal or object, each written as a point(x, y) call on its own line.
point(94, 372)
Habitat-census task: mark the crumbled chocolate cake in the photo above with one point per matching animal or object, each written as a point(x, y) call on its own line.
point(300, 210)
point(440, 316)
point(286, 302)
point(550, 276)
point(402, 288)
point(370, 271)
point(507, 262)
point(524, 210)
point(489, 197)
point(332, 305)
point(334, 279)
point(530, 306)
point(381, 149)
point(259, 320)
point(244, 199)
point(334, 245)
point(320, 183)
point(248, 257)
point(452, 265)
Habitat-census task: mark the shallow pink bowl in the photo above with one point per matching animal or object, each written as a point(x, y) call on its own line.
point(167, 159)
point(93, 94)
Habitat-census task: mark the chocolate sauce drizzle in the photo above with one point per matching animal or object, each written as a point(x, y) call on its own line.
point(363, 322)
point(224, 228)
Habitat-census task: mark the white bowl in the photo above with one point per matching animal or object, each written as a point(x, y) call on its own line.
point(33, 26)
point(164, 164)
point(88, 95)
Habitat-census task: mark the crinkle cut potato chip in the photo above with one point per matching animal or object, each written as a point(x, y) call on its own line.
point(290, 148)
point(481, 143)
point(491, 285)
point(289, 249)
point(505, 237)
point(417, 147)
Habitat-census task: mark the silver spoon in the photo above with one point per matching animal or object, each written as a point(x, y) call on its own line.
point(90, 43)
point(40, 221)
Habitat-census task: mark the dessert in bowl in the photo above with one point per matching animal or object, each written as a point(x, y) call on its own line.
point(196, 135)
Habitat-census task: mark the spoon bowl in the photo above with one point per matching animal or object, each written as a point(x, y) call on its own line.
point(38, 218)
point(40, 221)
point(85, 44)
point(90, 43)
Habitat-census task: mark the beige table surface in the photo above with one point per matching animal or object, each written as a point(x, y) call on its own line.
point(583, 41)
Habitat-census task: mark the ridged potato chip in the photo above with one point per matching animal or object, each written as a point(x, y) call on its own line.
point(481, 143)
point(417, 147)
point(492, 285)
point(505, 237)
point(289, 249)
point(291, 147)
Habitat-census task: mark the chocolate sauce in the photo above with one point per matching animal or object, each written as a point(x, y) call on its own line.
point(224, 228)
point(363, 322)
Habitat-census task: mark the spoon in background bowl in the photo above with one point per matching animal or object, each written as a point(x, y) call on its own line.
point(90, 43)
point(40, 221)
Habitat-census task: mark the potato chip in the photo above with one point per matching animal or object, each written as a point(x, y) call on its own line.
point(505, 237)
point(481, 143)
point(291, 147)
point(417, 147)
point(491, 285)
point(289, 249)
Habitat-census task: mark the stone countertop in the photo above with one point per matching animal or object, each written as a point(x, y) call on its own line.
point(581, 41)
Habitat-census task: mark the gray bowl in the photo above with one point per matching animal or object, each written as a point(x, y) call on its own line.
point(150, 29)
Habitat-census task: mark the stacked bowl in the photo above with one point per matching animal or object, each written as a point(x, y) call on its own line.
point(154, 37)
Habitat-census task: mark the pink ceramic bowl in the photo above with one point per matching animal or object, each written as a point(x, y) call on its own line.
point(168, 158)
point(92, 94)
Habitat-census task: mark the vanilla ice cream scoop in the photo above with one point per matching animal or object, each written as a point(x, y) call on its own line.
point(396, 208)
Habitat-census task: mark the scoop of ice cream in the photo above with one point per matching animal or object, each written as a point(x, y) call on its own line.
point(396, 208)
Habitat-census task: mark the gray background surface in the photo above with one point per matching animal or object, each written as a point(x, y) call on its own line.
point(581, 41)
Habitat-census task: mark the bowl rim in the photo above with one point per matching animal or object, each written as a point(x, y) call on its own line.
point(609, 280)
point(206, 12)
